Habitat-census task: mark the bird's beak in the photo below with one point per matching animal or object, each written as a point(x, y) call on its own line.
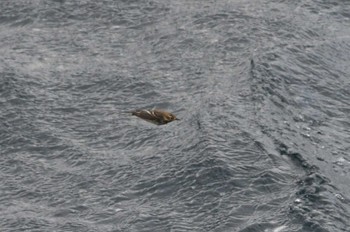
point(177, 119)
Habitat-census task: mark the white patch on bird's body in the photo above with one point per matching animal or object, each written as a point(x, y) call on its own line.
point(149, 112)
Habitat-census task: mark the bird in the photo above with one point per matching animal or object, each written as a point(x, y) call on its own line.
point(158, 117)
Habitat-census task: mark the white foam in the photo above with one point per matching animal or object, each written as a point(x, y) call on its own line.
point(279, 229)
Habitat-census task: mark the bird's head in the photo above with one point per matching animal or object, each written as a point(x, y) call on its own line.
point(170, 117)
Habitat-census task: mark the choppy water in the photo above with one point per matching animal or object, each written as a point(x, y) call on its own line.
point(262, 88)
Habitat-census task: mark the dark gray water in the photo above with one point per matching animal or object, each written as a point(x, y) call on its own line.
point(262, 88)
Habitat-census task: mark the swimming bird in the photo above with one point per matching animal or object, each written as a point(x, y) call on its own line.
point(158, 117)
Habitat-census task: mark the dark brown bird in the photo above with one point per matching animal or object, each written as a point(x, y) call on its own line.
point(158, 117)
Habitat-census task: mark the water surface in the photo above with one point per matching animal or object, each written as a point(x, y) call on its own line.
point(262, 89)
